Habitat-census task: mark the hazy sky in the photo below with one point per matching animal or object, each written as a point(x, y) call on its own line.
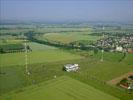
point(62, 10)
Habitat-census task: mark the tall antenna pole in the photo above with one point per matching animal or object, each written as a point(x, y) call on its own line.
point(102, 46)
point(26, 59)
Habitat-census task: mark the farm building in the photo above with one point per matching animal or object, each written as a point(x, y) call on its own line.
point(127, 82)
point(130, 82)
point(71, 67)
point(130, 51)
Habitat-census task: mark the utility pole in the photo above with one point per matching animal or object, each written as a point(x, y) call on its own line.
point(102, 46)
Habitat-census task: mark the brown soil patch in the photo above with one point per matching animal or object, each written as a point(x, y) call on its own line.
point(118, 79)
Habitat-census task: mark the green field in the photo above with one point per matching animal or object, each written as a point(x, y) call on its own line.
point(40, 47)
point(92, 72)
point(68, 37)
point(10, 59)
point(53, 29)
point(13, 31)
point(10, 41)
point(116, 57)
point(63, 88)
point(8, 45)
point(44, 62)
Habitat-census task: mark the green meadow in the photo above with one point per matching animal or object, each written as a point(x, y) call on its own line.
point(63, 88)
point(68, 37)
point(10, 59)
point(40, 47)
point(45, 62)
point(92, 72)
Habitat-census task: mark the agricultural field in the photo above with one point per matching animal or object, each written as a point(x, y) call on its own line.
point(40, 47)
point(63, 88)
point(92, 72)
point(68, 37)
point(66, 50)
point(45, 64)
point(36, 57)
point(10, 45)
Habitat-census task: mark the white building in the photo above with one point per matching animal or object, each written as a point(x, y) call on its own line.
point(120, 49)
point(71, 67)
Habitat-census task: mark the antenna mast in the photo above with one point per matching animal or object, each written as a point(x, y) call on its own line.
point(102, 45)
point(26, 58)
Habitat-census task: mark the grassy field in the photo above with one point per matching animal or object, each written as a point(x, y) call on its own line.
point(40, 47)
point(68, 37)
point(9, 45)
point(63, 88)
point(44, 62)
point(10, 41)
point(60, 29)
point(10, 59)
point(92, 72)
point(115, 57)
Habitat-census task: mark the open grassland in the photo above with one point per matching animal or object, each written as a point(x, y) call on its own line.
point(112, 57)
point(10, 59)
point(92, 72)
point(14, 77)
point(129, 59)
point(69, 37)
point(63, 88)
point(116, 57)
point(40, 47)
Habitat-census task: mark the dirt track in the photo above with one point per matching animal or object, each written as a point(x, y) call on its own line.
point(118, 79)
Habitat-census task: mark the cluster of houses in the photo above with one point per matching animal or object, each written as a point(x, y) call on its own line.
point(116, 43)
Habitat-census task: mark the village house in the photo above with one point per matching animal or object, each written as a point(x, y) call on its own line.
point(130, 51)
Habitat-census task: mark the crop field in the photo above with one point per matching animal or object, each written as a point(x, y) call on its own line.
point(63, 88)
